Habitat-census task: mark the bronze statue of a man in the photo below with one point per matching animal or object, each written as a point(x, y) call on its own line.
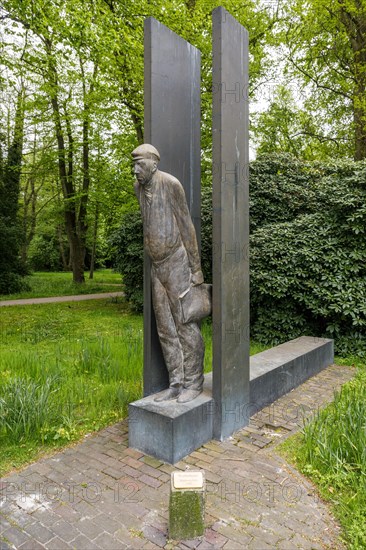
point(170, 241)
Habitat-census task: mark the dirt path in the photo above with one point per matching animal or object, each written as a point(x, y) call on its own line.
point(55, 299)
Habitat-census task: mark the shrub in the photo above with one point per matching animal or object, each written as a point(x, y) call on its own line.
point(11, 269)
point(308, 275)
point(127, 243)
point(281, 188)
point(44, 253)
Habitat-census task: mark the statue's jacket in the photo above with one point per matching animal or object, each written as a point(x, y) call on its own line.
point(166, 219)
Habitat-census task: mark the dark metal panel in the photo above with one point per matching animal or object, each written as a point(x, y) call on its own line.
point(230, 224)
point(172, 125)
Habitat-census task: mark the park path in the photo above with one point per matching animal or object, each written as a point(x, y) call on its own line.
point(100, 494)
point(55, 299)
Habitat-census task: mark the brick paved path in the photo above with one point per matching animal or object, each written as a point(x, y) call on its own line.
point(100, 494)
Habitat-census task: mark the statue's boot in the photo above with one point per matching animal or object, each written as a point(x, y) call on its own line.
point(188, 395)
point(169, 394)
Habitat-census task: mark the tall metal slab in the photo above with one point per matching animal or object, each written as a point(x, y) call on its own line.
point(230, 224)
point(172, 125)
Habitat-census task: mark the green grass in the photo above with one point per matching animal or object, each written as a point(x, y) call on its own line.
point(331, 451)
point(67, 369)
point(46, 284)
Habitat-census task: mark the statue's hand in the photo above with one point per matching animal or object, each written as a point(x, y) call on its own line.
point(197, 278)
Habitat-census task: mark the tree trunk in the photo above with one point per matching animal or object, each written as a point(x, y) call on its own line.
point(76, 247)
point(14, 162)
point(359, 103)
point(137, 122)
point(355, 25)
point(94, 246)
point(360, 133)
point(65, 266)
point(30, 200)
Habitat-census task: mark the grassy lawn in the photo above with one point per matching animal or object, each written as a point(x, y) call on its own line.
point(331, 451)
point(44, 284)
point(65, 370)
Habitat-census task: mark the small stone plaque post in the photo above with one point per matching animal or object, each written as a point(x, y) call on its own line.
point(187, 505)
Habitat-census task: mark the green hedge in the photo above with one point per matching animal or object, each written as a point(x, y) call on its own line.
point(307, 247)
point(308, 276)
point(127, 244)
point(11, 269)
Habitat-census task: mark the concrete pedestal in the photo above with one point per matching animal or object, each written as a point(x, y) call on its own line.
point(170, 430)
point(278, 370)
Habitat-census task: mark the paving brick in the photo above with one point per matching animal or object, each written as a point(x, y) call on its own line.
point(301, 542)
point(106, 541)
point(153, 462)
point(127, 470)
point(85, 509)
point(137, 510)
point(148, 480)
point(202, 455)
point(181, 465)
point(133, 453)
point(111, 472)
point(45, 515)
point(64, 530)
point(286, 545)
point(167, 468)
point(213, 446)
point(4, 524)
point(192, 543)
point(146, 469)
point(114, 463)
point(132, 462)
point(15, 536)
point(215, 538)
point(212, 478)
point(39, 532)
point(150, 546)
point(231, 545)
point(205, 546)
point(154, 535)
point(132, 538)
point(233, 534)
point(258, 544)
point(30, 545)
point(214, 454)
point(84, 543)
point(164, 478)
point(113, 453)
point(258, 533)
point(107, 523)
point(88, 528)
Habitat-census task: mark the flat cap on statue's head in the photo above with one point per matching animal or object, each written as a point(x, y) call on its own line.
point(145, 151)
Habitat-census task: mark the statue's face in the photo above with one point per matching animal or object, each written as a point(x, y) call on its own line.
point(144, 170)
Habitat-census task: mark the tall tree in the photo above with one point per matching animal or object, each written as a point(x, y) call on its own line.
point(327, 48)
point(58, 43)
point(10, 171)
point(287, 127)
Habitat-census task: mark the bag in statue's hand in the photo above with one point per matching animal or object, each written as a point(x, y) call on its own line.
point(196, 303)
